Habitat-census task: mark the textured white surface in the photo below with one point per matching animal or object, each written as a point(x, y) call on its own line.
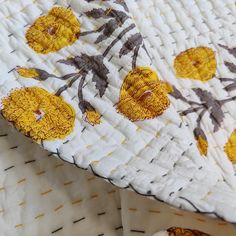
point(158, 157)
point(78, 202)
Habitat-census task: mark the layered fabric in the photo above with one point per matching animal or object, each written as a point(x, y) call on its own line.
point(137, 94)
point(40, 195)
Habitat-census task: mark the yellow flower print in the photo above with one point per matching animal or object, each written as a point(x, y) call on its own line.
point(39, 114)
point(177, 231)
point(202, 145)
point(50, 33)
point(27, 73)
point(92, 117)
point(230, 147)
point(196, 63)
point(143, 95)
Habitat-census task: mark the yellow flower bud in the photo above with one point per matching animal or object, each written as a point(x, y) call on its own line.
point(230, 147)
point(92, 117)
point(202, 145)
point(27, 73)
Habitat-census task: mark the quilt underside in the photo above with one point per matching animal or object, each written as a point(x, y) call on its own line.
point(142, 95)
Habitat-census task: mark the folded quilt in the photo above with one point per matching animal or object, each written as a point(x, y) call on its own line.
point(78, 78)
point(39, 196)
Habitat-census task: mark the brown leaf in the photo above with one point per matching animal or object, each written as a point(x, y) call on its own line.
point(97, 13)
point(230, 50)
point(177, 94)
point(95, 65)
point(132, 42)
point(108, 30)
point(231, 66)
point(213, 106)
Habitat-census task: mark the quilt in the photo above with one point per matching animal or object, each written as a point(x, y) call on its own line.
point(41, 195)
point(142, 98)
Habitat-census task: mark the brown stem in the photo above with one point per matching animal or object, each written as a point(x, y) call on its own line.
point(135, 56)
point(145, 49)
point(200, 117)
point(80, 88)
point(92, 31)
point(222, 102)
point(119, 37)
point(65, 87)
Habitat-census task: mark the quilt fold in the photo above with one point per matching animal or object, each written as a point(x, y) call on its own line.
point(78, 78)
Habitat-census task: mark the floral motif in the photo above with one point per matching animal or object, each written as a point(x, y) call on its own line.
point(143, 95)
point(50, 33)
point(84, 64)
point(230, 147)
point(177, 231)
point(92, 117)
point(39, 114)
point(232, 68)
point(90, 65)
point(202, 143)
point(207, 104)
point(196, 63)
point(116, 19)
point(27, 73)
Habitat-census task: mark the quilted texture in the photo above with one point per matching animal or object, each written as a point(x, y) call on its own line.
point(40, 194)
point(201, 24)
point(157, 157)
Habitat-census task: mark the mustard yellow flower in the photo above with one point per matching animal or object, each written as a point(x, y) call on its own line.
point(39, 114)
point(92, 117)
point(143, 95)
point(50, 33)
point(27, 73)
point(230, 147)
point(177, 231)
point(196, 63)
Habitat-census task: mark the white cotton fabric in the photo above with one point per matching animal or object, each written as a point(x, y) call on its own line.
point(122, 150)
point(78, 203)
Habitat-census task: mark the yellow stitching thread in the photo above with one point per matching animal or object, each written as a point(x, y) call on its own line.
point(68, 183)
point(154, 211)
point(178, 214)
point(76, 201)
point(46, 192)
point(201, 220)
point(133, 209)
point(41, 172)
point(91, 178)
point(111, 191)
point(19, 225)
point(58, 208)
point(59, 165)
point(21, 203)
point(21, 180)
point(39, 216)
point(94, 196)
